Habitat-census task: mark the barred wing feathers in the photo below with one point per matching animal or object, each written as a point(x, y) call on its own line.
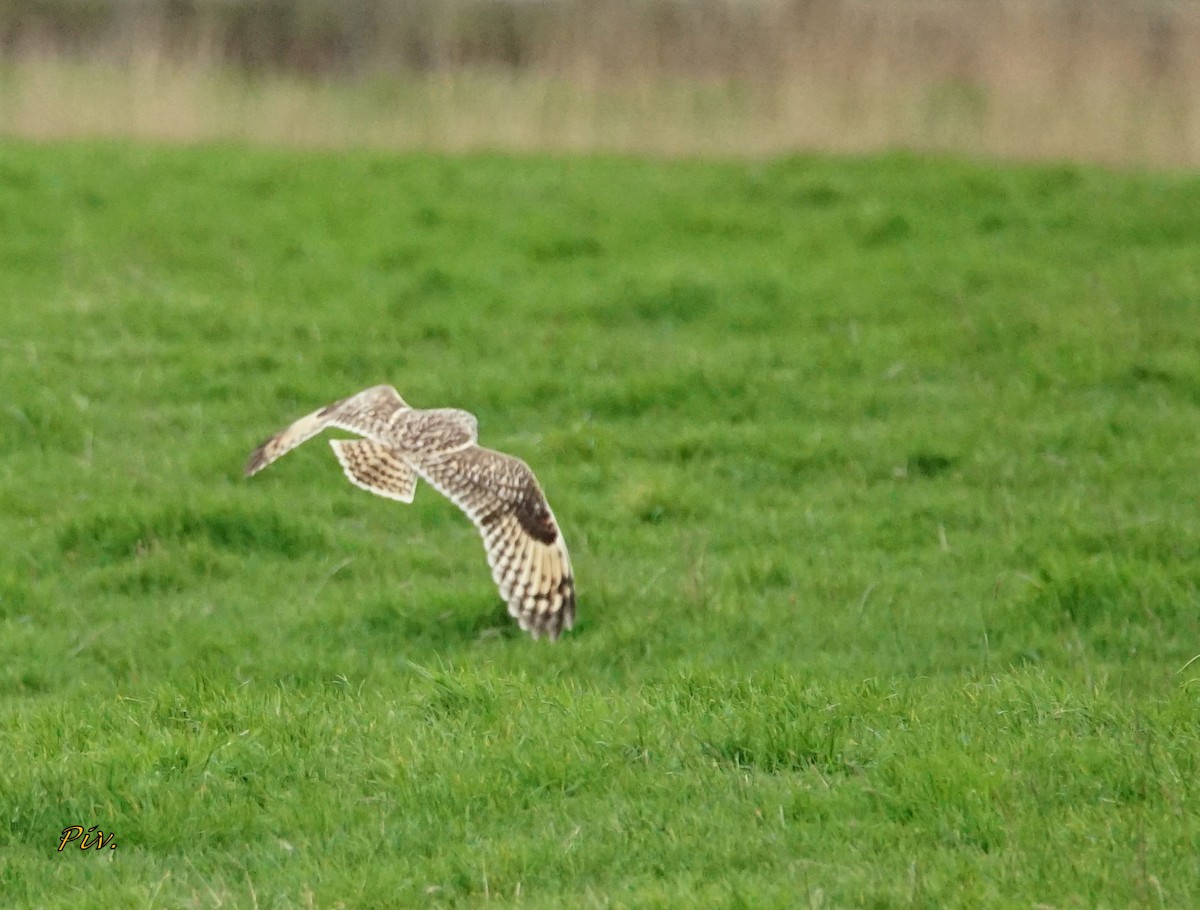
point(375, 468)
point(525, 549)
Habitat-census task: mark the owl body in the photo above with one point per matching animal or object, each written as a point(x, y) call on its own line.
point(433, 431)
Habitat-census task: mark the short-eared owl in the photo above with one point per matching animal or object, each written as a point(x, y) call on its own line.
point(497, 492)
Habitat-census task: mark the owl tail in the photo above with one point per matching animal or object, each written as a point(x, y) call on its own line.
point(375, 468)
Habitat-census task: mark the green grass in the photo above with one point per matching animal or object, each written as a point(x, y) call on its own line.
point(880, 479)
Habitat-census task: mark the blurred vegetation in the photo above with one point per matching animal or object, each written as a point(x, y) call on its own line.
point(1109, 80)
point(706, 38)
point(332, 36)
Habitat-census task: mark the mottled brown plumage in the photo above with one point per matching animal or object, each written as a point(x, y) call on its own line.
point(498, 492)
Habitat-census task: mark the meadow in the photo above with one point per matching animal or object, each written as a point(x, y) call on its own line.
point(880, 477)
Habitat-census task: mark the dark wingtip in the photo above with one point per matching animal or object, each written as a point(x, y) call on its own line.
point(258, 461)
point(567, 613)
point(552, 625)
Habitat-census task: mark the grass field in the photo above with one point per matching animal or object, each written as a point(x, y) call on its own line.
point(880, 478)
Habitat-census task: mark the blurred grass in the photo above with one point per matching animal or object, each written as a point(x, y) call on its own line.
point(879, 477)
point(1110, 82)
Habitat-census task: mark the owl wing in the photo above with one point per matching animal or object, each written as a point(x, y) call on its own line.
point(368, 413)
point(524, 546)
point(375, 468)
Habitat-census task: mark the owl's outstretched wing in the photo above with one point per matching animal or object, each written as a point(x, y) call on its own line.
point(368, 413)
point(525, 548)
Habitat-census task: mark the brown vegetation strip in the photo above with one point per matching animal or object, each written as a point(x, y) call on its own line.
point(1107, 81)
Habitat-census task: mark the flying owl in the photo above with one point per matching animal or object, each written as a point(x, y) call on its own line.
point(498, 492)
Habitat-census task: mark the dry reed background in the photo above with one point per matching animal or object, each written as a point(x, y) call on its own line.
point(1115, 81)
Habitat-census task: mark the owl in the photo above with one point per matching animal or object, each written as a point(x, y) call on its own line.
point(401, 445)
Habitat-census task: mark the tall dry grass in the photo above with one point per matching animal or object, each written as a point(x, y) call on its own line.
point(1101, 80)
